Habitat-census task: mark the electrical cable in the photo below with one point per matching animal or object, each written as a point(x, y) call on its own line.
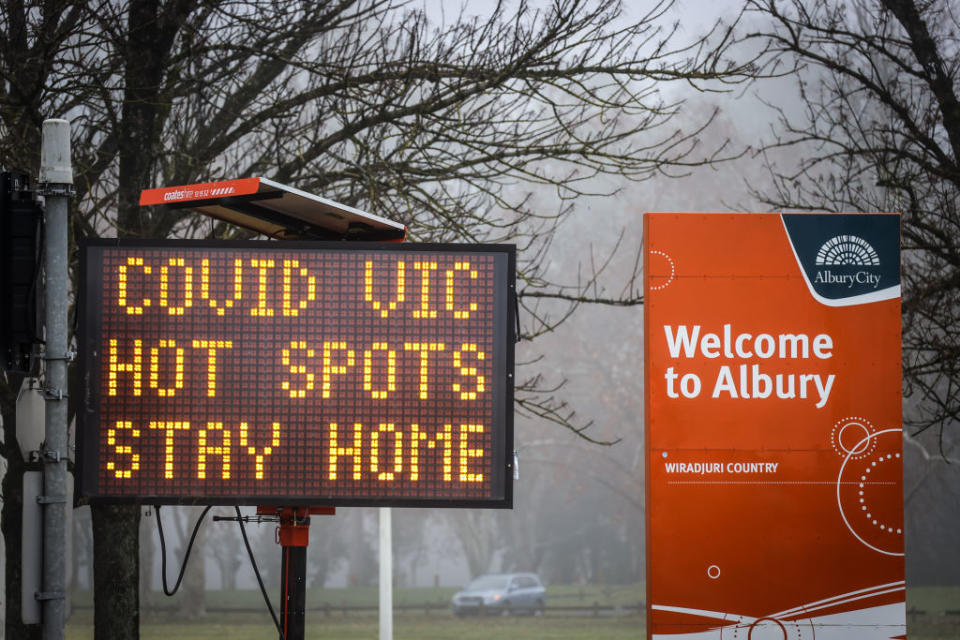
point(256, 571)
point(186, 557)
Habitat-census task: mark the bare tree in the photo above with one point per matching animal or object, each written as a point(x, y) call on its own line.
point(477, 532)
point(435, 124)
point(193, 604)
point(327, 550)
point(880, 131)
point(227, 549)
point(932, 503)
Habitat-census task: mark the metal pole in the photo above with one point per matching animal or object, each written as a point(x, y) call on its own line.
point(56, 179)
point(293, 592)
point(386, 575)
point(294, 538)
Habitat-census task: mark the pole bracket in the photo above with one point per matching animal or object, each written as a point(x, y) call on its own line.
point(51, 394)
point(68, 356)
point(50, 595)
point(62, 189)
point(51, 499)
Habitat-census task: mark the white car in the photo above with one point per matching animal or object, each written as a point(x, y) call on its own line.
point(501, 593)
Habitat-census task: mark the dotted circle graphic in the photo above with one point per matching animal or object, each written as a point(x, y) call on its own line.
point(856, 429)
point(673, 271)
point(864, 506)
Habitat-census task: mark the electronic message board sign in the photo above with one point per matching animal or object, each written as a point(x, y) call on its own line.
point(774, 428)
point(296, 373)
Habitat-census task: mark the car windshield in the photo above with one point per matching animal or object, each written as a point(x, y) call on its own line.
point(484, 583)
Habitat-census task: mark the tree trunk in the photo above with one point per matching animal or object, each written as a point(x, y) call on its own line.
point(476, 531)
point(151, 28)
point(147, 551)
point(116, 571)
point(226, 547)
point(362, 565)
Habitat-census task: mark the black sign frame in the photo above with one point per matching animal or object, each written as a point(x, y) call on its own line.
point(91, 292)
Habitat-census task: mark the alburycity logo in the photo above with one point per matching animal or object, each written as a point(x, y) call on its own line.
point(847, 251)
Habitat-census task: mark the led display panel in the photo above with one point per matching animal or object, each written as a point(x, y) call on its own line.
point(296, 373)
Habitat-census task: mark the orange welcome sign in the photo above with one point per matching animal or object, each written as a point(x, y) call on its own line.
point(774, 428)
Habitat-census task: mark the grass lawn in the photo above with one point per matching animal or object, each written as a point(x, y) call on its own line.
point(932, 617)
point(935, 613)
point(356, 627)
point(558, 595)
point(439, 624)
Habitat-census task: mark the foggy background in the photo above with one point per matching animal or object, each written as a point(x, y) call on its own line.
point(578, 513)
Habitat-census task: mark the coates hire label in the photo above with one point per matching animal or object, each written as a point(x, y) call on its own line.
point(774, 433)
point(205, 191)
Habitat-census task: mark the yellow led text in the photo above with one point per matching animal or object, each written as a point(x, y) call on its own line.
point(391, 381)
point(263, 452)
point(204, 449)
point(448, 294)
point(237, 286)
point(354, 451)
point(292, 269)
point(211, 346)
point(425, 311)
point(424, 306)
point(329, 369)
point(172, 286)
point(123, 449)
point(425, 348)
point(167, 363)
point(471, 371)
point(213, 442)
point(380, 368)
point(397, 452)
point(187, 301)
point(122, 286)
point(388, 452)
point(261, 266)
point(155, 368)
point(170, 428)
point(297, 369)
point(377, 305)
point(133, 366)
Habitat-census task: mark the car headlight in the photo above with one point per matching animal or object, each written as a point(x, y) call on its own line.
point(494, 598)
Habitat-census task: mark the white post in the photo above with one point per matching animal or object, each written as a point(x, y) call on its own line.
point(386, 575)
point(56, 183)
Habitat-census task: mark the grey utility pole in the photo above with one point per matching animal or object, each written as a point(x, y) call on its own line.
point(56, 180)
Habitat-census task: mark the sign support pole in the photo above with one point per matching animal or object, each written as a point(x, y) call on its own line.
point(386, 574)
point(293, 535)
point(56, 178)
point(294, 538)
